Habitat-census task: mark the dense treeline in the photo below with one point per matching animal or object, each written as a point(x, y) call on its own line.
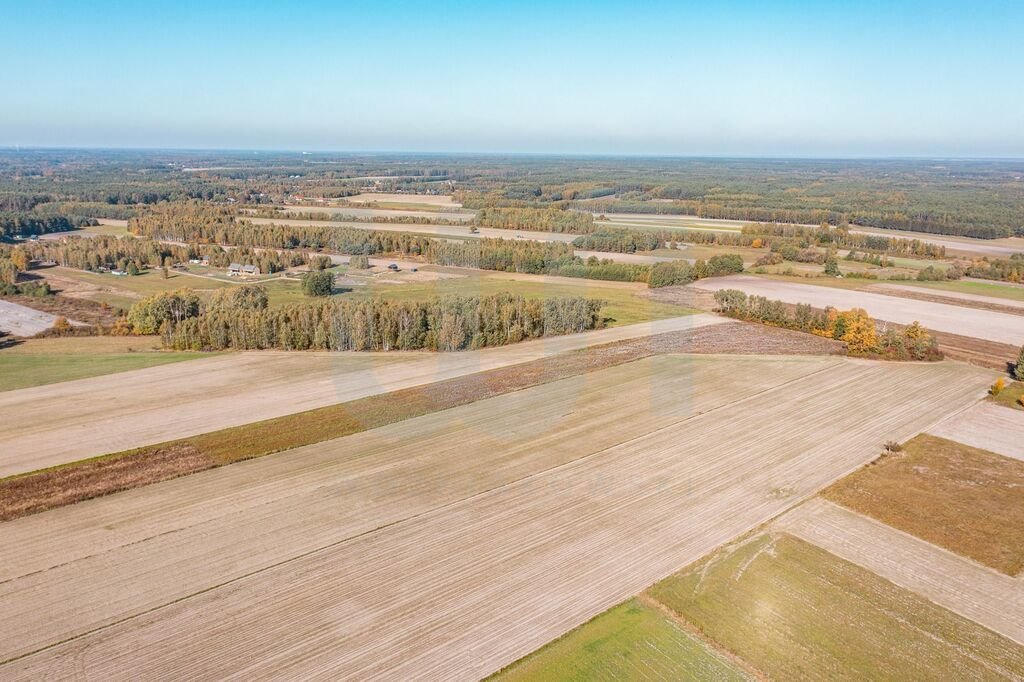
point(669, 273)
point(24, 224)
point(195, 223)
point(96, 253)
point(443, 324)
point(841, 237)
point(853, 327)
point(535, 219)
point(969, 197)
point(620, 240)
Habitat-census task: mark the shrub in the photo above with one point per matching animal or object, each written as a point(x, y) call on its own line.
point(832, 268)
point(997, 387)
point(892, 446)
point(61, 326)
point(319, 283)
point(319, 262)
point(1018, 368)
point(37, 288)
point(359, 262)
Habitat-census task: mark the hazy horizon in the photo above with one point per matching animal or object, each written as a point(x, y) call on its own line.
point(782, 79)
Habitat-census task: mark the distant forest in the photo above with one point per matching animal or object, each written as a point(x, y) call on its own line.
point(48, 190)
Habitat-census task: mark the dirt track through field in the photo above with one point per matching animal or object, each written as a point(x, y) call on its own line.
point(963, 586)
point(987, 426)
point(64, 422)
point(981, 324)
point(449, 545)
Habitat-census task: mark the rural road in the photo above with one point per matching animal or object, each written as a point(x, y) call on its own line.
point(64, 422)
point(981, 324)
point(447, 546)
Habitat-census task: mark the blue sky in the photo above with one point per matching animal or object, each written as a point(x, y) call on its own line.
point(690, 78)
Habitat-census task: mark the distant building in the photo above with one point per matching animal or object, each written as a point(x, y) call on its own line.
point(205, 260)
point(250, 270)
point(234, 270)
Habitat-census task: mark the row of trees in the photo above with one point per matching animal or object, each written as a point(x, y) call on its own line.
point(620, 241)
point(24, 224)
point(669, 273)
point(535, 219)
point(133, 254)
point(442, 324)
point(853, 327)
point(1003, 269)
point(841, 237)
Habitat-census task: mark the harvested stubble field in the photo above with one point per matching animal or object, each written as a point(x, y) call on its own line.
point(51, 488)
point(452, 544)
point(797, 612)
point(981, 594)
point(66, 422)
point(989, 426)
point(962, 498)
point(954, 319)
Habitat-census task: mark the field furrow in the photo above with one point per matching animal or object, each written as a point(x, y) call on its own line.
point(504, 547)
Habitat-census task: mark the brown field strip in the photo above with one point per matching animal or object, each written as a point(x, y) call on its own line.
point(77, 481)
point(64, 422)
point(795, 611)
point(988, 426)
point(448, 545)
point(964, 499)
point(975, 592)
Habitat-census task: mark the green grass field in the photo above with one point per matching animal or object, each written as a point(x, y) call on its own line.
point(631, 641)
point(116, 228)
point(994, 289)
point(1010, 396)
point(122, 292)
point(797, 612)
point(36, 362)
point(625, 304)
